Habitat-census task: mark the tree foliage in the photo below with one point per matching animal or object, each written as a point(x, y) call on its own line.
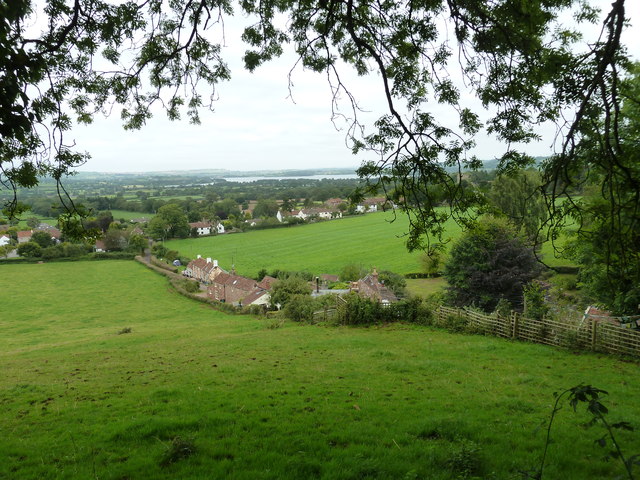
point(488, 263)
point(287, 288)
point(42, 238)
point(29, 249)
point(169, 222)
point(518, 196)
point(607, 243)
point(522, 61)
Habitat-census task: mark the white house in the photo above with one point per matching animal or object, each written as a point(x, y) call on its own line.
point(203, 228)
point(4, 240)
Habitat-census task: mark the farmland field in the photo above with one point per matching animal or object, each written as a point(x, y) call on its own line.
point(191, 393)
point(371, 240)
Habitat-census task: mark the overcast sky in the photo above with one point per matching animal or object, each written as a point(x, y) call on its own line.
point(257, 126)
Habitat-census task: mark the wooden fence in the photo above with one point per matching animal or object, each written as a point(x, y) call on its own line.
point(589, 334)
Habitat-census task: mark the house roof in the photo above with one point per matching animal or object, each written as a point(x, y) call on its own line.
point(267, 282)
point(25, 233)
point(200, 225)
point(202, 264)
point(236, 281)
point(329, 278)
point(100, 245)
point(54, 232)
point(254, 295)
point(371, 280)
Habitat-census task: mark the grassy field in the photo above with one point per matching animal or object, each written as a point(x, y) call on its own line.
point(118, 214)
point(371, 240)
point(325, 247)
point(244, 401)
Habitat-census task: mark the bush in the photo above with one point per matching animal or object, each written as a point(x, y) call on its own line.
point(284, 289)
point(487, 263)
point(300, 308)
point(191, 286)
point(52, 252)
point(29, 249)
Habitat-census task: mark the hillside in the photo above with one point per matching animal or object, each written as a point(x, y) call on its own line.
point(372, 240)
point(191, 393)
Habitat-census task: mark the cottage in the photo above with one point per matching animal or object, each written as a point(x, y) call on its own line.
point(267, 282)
point(4, 240)
point(371, 287)
point(24, 236)
point(99, 246)
point(203, 270)
point(230, 288)
point(202, 228)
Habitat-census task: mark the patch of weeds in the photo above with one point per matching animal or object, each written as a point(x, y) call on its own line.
point(569, 339)
point(179, 449)
point(274, 323)
point(465, 461)
point(447, 430)
point(125, 330)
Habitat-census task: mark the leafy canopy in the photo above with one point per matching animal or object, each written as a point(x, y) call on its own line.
point(520, 60)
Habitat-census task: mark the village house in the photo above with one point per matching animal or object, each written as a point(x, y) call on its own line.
point(238, 290)
point(374, 204)
point(202, 228)
point(206, 228)
point(333, 203)
point(203, 270)
point(4, 240)
point(231, 288)
point(371, 287)
point(24, 236)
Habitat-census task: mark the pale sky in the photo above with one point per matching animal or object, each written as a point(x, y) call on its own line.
point(256, 126)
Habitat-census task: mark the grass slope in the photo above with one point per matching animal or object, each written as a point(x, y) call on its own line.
point(324, 247)
point(80, 401)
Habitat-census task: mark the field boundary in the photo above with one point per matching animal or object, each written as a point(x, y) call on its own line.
point(589, 334)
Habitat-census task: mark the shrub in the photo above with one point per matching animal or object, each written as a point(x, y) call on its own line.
point(300, 308)
point(191, 286)
point(285, 288)
point(52, 252)
point(29, 249)
point(534, 304)
point(487, 263)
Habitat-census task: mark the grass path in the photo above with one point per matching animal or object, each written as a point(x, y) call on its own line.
point(80, 401)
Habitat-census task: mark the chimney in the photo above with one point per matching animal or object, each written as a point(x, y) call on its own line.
point(199, 256)
point(375, 274)
point(215, 263)
point(208, 259)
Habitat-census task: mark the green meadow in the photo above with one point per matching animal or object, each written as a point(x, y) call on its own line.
point(126, 215)
point(371, 240)
point(192, 393)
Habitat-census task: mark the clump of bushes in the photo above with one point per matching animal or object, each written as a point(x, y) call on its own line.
point(357, 310)
point(191, 286)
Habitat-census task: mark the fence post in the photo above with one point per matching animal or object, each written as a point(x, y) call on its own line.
point(514, 324)
point(594, 333)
